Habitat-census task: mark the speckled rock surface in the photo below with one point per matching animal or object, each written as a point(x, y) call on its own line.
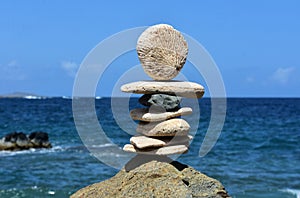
point(167, 102)
point(162, 51)
point(159, 179)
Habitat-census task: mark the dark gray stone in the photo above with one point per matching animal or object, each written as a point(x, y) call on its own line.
point(167, 102)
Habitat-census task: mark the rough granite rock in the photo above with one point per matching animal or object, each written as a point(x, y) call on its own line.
point(155, 177)
point(167, 102)
point(162, 51)
point(178, 88)
point(144, 114)
point(172, 127)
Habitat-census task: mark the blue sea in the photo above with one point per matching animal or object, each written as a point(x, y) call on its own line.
point(257, 154)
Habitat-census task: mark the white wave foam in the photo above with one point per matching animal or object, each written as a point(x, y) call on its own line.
point(50, 192)
point(30, 151)
point(102, 145)
point(33, 97)
point(292, 191)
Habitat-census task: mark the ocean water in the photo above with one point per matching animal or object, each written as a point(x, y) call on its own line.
point(257, 154)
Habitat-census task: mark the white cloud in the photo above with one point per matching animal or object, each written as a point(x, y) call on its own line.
point(70, 67)
point(12, 63)
point(282, 75)
point(250, 79)
point(12, 71)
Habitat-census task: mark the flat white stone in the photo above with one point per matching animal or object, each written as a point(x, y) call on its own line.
point(178, 88)
point(168, 150)
point(142, 142)
point(172, 127)
point(144, 114)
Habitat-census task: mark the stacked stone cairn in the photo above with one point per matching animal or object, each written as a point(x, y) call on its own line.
point(162, 51)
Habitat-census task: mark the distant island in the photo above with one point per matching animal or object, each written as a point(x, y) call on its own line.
point(21, 95)
point(27, 95)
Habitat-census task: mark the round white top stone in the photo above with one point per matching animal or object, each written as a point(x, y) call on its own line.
point(162, 51)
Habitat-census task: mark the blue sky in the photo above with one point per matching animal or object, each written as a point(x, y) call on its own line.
point(254, 43)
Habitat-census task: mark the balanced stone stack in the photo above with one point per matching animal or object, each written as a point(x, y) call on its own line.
point(161, 131)
point(162, 51)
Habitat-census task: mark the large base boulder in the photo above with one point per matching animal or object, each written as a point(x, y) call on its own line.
point(155, 177)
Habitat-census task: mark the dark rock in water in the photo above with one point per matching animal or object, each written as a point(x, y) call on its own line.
point(165, 101)
point(16, 139)
point(6, 145)
point(22, 141)
point(155, 178)
point(39, 139)
point(19, 141)
point(12, 137)
point(21, 136)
